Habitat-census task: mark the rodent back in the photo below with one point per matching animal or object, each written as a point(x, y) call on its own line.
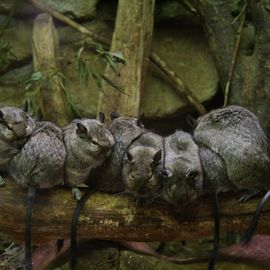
point(235, 134)
point(40, 163)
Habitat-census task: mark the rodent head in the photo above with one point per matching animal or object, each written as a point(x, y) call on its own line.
point(95, 138)
point(180, 183)
point(141, 171)
point(15, 124)
point(182, 175)
point(125, 128)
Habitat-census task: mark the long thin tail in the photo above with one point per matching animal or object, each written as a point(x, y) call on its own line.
point(250, 231)
point(74, 222)
point(213, 259)
point(28, 227)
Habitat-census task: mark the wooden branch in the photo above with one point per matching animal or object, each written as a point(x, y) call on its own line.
point(174, 78)
point(132, 37)
point(115, 217)
point(46, 57)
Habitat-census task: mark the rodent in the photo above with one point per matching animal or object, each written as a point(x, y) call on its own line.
point(39, 164)
point(233, 145)
point(182, 176)
point(234, 133)
point(15, 126)
point(107, 176)
point(88, 144)
point(142, 166)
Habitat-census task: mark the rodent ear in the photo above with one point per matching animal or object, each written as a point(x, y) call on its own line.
point(26, 106)
point(81, 129)
point(1, 114)
point(191, 121)
point(192, 174)
point(140, 119)
point(114, 115)
point(101, 117)
point(129, 156)
point(157, 157)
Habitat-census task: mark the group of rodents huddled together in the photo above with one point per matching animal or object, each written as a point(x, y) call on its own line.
point(227, 151)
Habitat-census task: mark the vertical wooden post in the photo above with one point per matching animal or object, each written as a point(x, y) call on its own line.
point(45, 45)
point(132, 36)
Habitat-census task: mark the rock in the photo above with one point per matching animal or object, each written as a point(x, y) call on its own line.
point(18, 38)
point(11, 96)
point(24, 8)
point(80, 9)
point(166, 10)
point(186, 51)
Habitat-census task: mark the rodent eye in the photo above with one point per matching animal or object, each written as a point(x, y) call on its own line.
point(93, 142)
point(192, 174)
point(9, 128)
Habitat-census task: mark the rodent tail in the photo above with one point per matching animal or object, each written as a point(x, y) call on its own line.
point(216, 212)
point(250, 231)
point(74, 222)
point(28, 226)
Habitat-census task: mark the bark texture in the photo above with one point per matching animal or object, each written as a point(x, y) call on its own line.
point(116, 217)
point(132, 36)
point(45, 46)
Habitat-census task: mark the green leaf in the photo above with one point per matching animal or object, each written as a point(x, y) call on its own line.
point(118, 57)
point(267, 5)
point(2, 181)
point(36, 76)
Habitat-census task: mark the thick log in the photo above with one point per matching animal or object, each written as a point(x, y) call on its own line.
point(132, 36)
point(46, 60)
point(117, 217)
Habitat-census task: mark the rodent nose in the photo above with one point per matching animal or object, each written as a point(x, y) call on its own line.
point(167, 173)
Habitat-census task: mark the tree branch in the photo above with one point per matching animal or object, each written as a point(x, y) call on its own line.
point(45, 44)
point(133, 37)
point(115, 217)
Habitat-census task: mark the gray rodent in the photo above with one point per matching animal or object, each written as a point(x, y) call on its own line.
point(107, 176)
point(39, 164)
point(88, 144)
point(234, 146)
point(182, 176)
point(234, 133)
point(15, 126)
point(142, 166)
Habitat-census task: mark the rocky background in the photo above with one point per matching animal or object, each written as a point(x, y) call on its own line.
point(178, 38)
